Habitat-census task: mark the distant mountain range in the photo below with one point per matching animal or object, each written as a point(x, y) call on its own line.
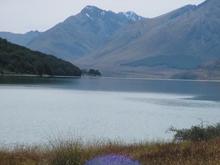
point(180, 43)
point(20, 39)
point(78, 35)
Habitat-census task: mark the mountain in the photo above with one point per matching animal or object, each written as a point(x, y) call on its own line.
point(182, 39)
point(78, 35)
point(20, 39)
point(20, 60)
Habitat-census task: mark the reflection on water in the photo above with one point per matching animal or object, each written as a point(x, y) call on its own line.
point(200, 90)
point(18, 80)
point(182, 102)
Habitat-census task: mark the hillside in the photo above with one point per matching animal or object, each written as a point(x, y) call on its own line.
point(20, 60)
point(182, 39)
point(20, 39)
point(78, 35)
point(81, 34)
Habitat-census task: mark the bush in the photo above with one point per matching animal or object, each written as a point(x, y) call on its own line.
point(197, 133)
point(91, 72)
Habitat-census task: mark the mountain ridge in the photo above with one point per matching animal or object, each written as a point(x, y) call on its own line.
point(162, 34)
point(20, 39)
point(80, 34)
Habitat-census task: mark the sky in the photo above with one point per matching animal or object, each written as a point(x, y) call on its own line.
point(21, 16)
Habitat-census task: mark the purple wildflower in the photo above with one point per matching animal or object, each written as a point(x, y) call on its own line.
point(112, 160)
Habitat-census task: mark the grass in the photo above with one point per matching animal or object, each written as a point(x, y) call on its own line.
point(189, 151)
point(74, 153)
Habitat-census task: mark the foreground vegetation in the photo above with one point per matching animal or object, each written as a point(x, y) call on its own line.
point(16, 59)
point(184, 152)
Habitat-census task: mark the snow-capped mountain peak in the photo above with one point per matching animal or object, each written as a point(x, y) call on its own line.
point(95, 12)
point(132, 16)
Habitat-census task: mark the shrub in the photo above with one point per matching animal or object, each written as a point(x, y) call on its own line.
point(197, 133)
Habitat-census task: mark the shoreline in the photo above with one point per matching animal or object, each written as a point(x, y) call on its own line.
point(111, 77)
point(162, 79)
point(38, 76)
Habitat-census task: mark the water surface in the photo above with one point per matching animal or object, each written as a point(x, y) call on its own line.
point(34, 110)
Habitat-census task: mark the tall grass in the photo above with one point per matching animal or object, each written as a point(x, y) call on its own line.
point(66, 153)
point(74, 153)
point(184, 152)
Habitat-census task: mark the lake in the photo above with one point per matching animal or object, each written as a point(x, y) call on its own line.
point(35, 110)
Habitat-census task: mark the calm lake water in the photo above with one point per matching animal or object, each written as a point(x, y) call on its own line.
point(35, 110)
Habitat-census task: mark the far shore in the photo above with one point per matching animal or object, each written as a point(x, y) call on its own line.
point(110, 77)
point(34, 75)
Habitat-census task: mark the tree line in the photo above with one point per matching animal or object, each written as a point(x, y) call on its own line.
point(20, 60)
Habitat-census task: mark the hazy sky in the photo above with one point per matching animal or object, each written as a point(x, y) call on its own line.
point(25, 15)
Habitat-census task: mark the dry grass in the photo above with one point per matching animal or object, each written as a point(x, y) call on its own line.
point(72, 153)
